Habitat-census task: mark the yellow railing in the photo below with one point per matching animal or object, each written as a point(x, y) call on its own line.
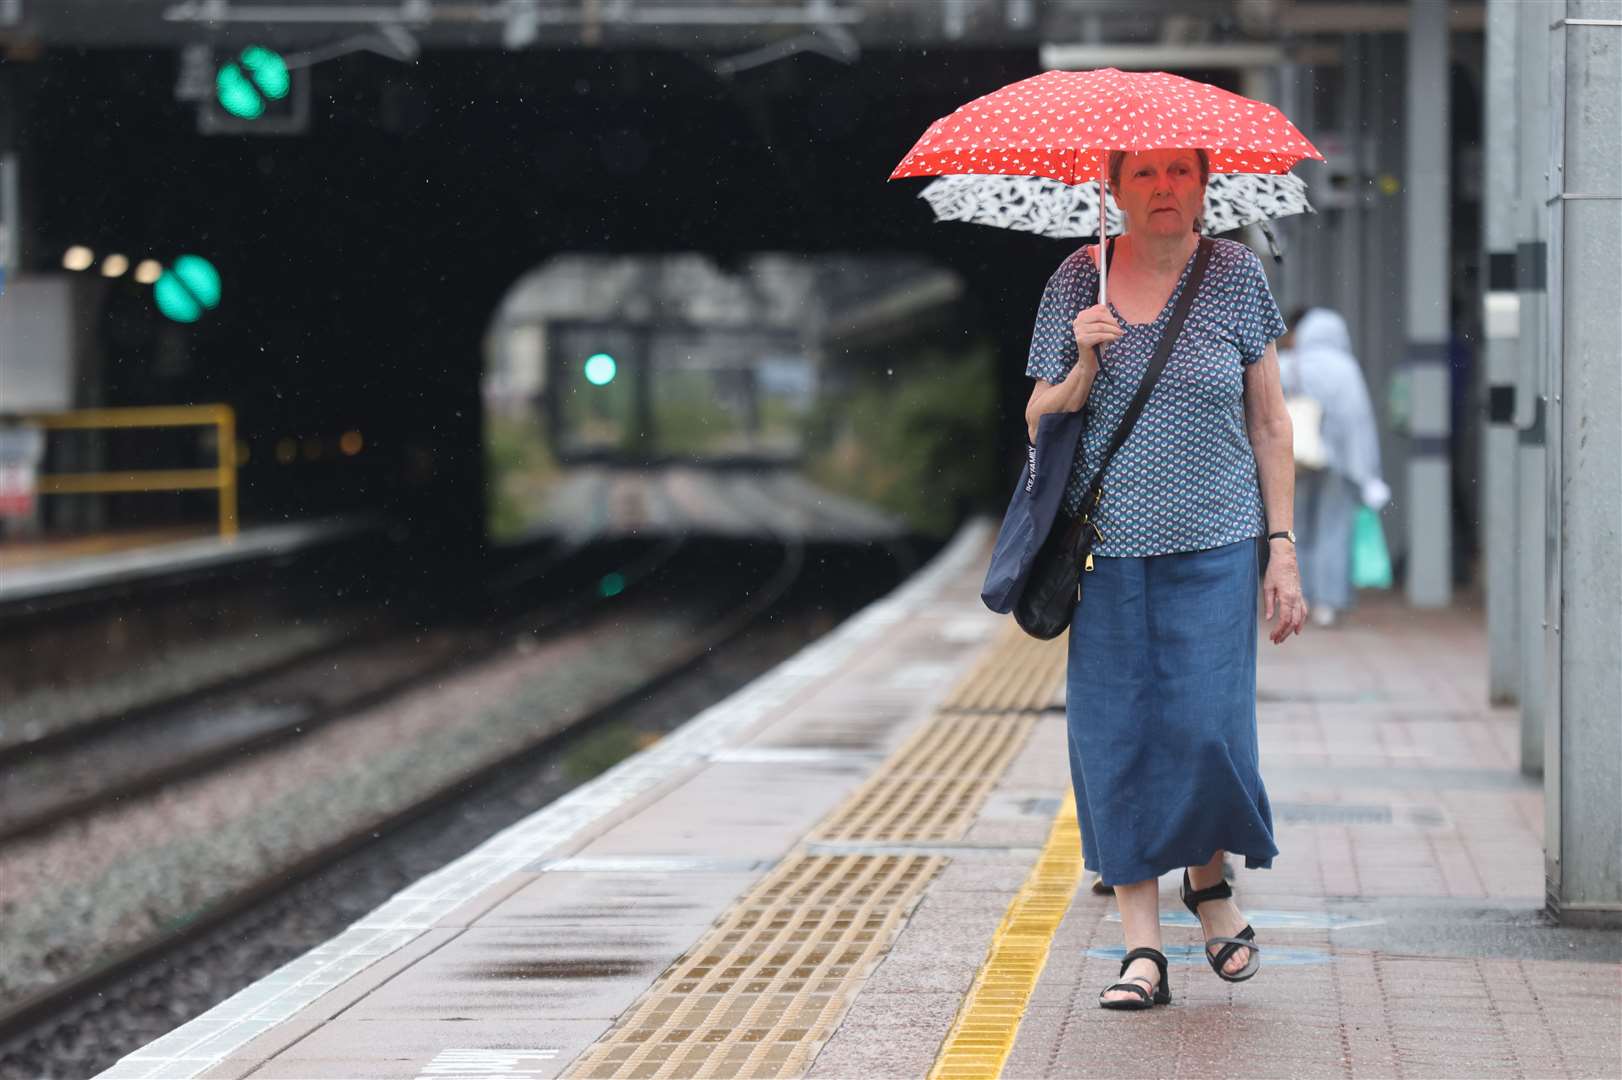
point(222, 477)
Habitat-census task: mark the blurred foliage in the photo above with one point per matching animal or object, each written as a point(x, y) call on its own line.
point(913, 442)
point(696, 426)
point(519, 468)
point(598, 751)
point(690, 426)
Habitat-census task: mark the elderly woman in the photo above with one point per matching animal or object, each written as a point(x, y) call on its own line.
point(1161, 686)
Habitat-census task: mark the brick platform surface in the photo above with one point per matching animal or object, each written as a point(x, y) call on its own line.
point(1401, 925)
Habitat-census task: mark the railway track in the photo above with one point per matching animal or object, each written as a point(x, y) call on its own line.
point(94, 765)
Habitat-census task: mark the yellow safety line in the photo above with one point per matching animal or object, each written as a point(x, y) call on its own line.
point(983, 1033)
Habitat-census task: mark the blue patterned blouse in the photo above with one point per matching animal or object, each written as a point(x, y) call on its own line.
point(1185, 480)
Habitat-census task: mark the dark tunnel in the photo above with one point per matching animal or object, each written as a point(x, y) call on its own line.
point(362, 259)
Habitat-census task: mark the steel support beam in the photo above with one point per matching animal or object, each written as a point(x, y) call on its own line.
point(1501, 319)
point(1531, 368)
point(1426, 249)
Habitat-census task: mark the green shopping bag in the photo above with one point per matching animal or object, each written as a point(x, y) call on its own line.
point(1371, 562)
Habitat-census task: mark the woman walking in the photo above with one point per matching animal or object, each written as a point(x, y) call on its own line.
point(1161, 687)
point(1327, 499)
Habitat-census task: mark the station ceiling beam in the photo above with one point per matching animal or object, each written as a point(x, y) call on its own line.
point(1325, 17)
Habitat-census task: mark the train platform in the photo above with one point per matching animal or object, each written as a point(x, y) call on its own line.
point(37, 573)
point(865, 864)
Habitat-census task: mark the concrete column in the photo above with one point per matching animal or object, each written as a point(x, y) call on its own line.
point(1501, 319)
point(1583, 857)
point(1426, 251)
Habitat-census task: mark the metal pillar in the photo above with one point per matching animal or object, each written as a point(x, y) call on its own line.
point(10, 212)
point(1383, 232)
point(1530, 378)
point(1501, 319)
point(1430, 496)
point(1583, 854)
point(10, 176)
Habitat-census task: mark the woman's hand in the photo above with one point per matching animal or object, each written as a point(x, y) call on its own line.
point(1282, 592)
point(1094, 326)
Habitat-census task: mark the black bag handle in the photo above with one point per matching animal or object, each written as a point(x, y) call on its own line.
point(1168, 338)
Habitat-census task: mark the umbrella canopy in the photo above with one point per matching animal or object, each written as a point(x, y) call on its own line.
point(1063, 125)
point(1050, 208)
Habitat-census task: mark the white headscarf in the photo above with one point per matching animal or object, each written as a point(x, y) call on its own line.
point(1323, 368)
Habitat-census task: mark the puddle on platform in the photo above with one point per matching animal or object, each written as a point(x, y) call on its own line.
point(568, 968)
point(1195, 955)
point(1270, 920)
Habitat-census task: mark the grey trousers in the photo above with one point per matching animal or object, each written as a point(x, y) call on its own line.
point(1325, 513)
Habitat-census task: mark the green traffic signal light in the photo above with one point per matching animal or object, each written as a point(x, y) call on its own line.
point(187, 289)
point(244, 85)
point(600, 369)
point(269, 71)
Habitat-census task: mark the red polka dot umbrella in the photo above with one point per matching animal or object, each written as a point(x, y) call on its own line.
point(1063, 125)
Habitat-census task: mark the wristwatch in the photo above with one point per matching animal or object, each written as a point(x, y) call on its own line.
point(1287, 534)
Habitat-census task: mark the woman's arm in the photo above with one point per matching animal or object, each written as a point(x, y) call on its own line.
point(1273, 442)
point(1267, 421)
point(1066, 396)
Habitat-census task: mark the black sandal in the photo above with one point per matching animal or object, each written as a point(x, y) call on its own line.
point(1245, 939)
point(1145, 1000)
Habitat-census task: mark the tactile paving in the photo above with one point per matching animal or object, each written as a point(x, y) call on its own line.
point(1020, 673)
point(934, 784)
point(766, 986)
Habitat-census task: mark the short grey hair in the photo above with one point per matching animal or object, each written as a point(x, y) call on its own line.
point(1117, 157)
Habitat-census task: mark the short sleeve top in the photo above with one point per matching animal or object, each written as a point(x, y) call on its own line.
point(1185, 479)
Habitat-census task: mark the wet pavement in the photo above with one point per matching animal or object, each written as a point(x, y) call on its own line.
point(815, 878)
point(1402, 925)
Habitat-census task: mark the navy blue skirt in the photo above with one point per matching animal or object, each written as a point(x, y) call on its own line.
point(1161, 709)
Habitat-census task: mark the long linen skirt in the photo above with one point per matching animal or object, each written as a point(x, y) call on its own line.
point(1161, 710)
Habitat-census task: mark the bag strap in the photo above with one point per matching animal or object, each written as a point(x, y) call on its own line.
point(1168, 338)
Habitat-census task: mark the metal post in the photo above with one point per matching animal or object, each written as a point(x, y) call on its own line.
point(1430, 496)
point(225, 432)
point(11, 214)
point(1382, 230)
point(1583, 859)
point(1530, 382)
point(1501, 318)
point(11, 217)
point(1287, 289)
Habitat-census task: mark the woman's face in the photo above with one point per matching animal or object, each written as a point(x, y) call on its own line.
point(1161, 192)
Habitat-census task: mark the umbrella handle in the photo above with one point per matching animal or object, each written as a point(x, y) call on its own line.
point(1103, 248)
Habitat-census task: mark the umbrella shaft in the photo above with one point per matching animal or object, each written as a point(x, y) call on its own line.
point(1103, 248)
